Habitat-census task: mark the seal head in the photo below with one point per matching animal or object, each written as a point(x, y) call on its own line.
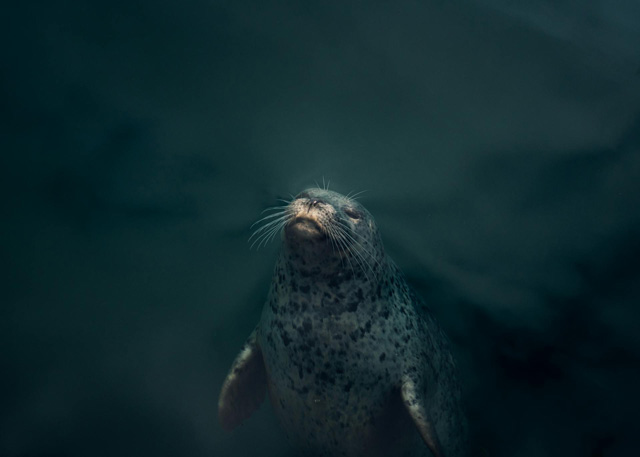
point(328, 233)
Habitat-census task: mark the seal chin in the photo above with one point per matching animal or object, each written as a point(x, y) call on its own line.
point(304, 228)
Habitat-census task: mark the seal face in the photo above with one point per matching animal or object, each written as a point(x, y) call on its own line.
point(354, 363)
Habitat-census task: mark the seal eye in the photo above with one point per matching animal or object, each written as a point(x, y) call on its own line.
point(352, 213)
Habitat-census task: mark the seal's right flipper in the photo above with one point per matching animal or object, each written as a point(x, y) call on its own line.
point(244, 389)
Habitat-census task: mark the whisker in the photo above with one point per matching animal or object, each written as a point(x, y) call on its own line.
point(347, 240)
point(260, 236)
point(330, 234)
point(269, 236)
point(273, 223)
point(334, 244)
point(270, 216)
point(266, 228)
point(340, 240)
point(274, 217)
point(273, 208)
point(362, 264)
point(358, 257)
point(348, 233)
point(266, 236)
point(356, 195)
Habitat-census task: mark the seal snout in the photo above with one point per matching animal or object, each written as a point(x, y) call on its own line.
point(310, 215)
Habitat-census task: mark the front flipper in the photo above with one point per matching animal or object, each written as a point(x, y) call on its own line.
point(414, 403)
point(244, 389)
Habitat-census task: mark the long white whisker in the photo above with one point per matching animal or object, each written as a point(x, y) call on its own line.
point(278, 220)
point(348, 243)
point(270, 216)
point(355, 196)
point(274, 208)
point(275, 220)
point(270, 223)
point(364, 265)
point(353, 233)
point(358, 258)
point(340, 240)
point(330, 234)
point(359, 247)
point(334, 244)
point(267, 235)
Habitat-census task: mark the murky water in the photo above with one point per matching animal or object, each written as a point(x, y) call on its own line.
point(499, 147)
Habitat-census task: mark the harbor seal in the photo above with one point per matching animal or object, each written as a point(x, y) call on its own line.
point(354, 363)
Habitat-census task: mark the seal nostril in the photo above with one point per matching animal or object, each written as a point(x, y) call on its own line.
point(314, 201)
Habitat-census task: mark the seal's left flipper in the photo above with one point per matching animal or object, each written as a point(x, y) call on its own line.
point(244, 389)
point(413, 402)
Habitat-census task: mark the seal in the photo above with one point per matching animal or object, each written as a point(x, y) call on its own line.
point(354, 363)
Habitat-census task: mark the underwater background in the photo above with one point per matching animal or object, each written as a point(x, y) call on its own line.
point(499, 145)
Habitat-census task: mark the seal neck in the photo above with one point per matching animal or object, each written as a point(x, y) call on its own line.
point(336, 279)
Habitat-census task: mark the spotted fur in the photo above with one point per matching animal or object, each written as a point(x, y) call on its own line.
point(355, 364)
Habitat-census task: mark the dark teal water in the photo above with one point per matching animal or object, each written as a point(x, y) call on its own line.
point(499, 143)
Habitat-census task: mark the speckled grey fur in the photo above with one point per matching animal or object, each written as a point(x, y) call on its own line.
point(342, 337)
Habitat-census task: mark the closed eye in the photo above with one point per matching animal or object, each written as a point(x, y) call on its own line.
point(352, 213)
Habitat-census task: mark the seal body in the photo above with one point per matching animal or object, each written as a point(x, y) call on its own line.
point(354, 363)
